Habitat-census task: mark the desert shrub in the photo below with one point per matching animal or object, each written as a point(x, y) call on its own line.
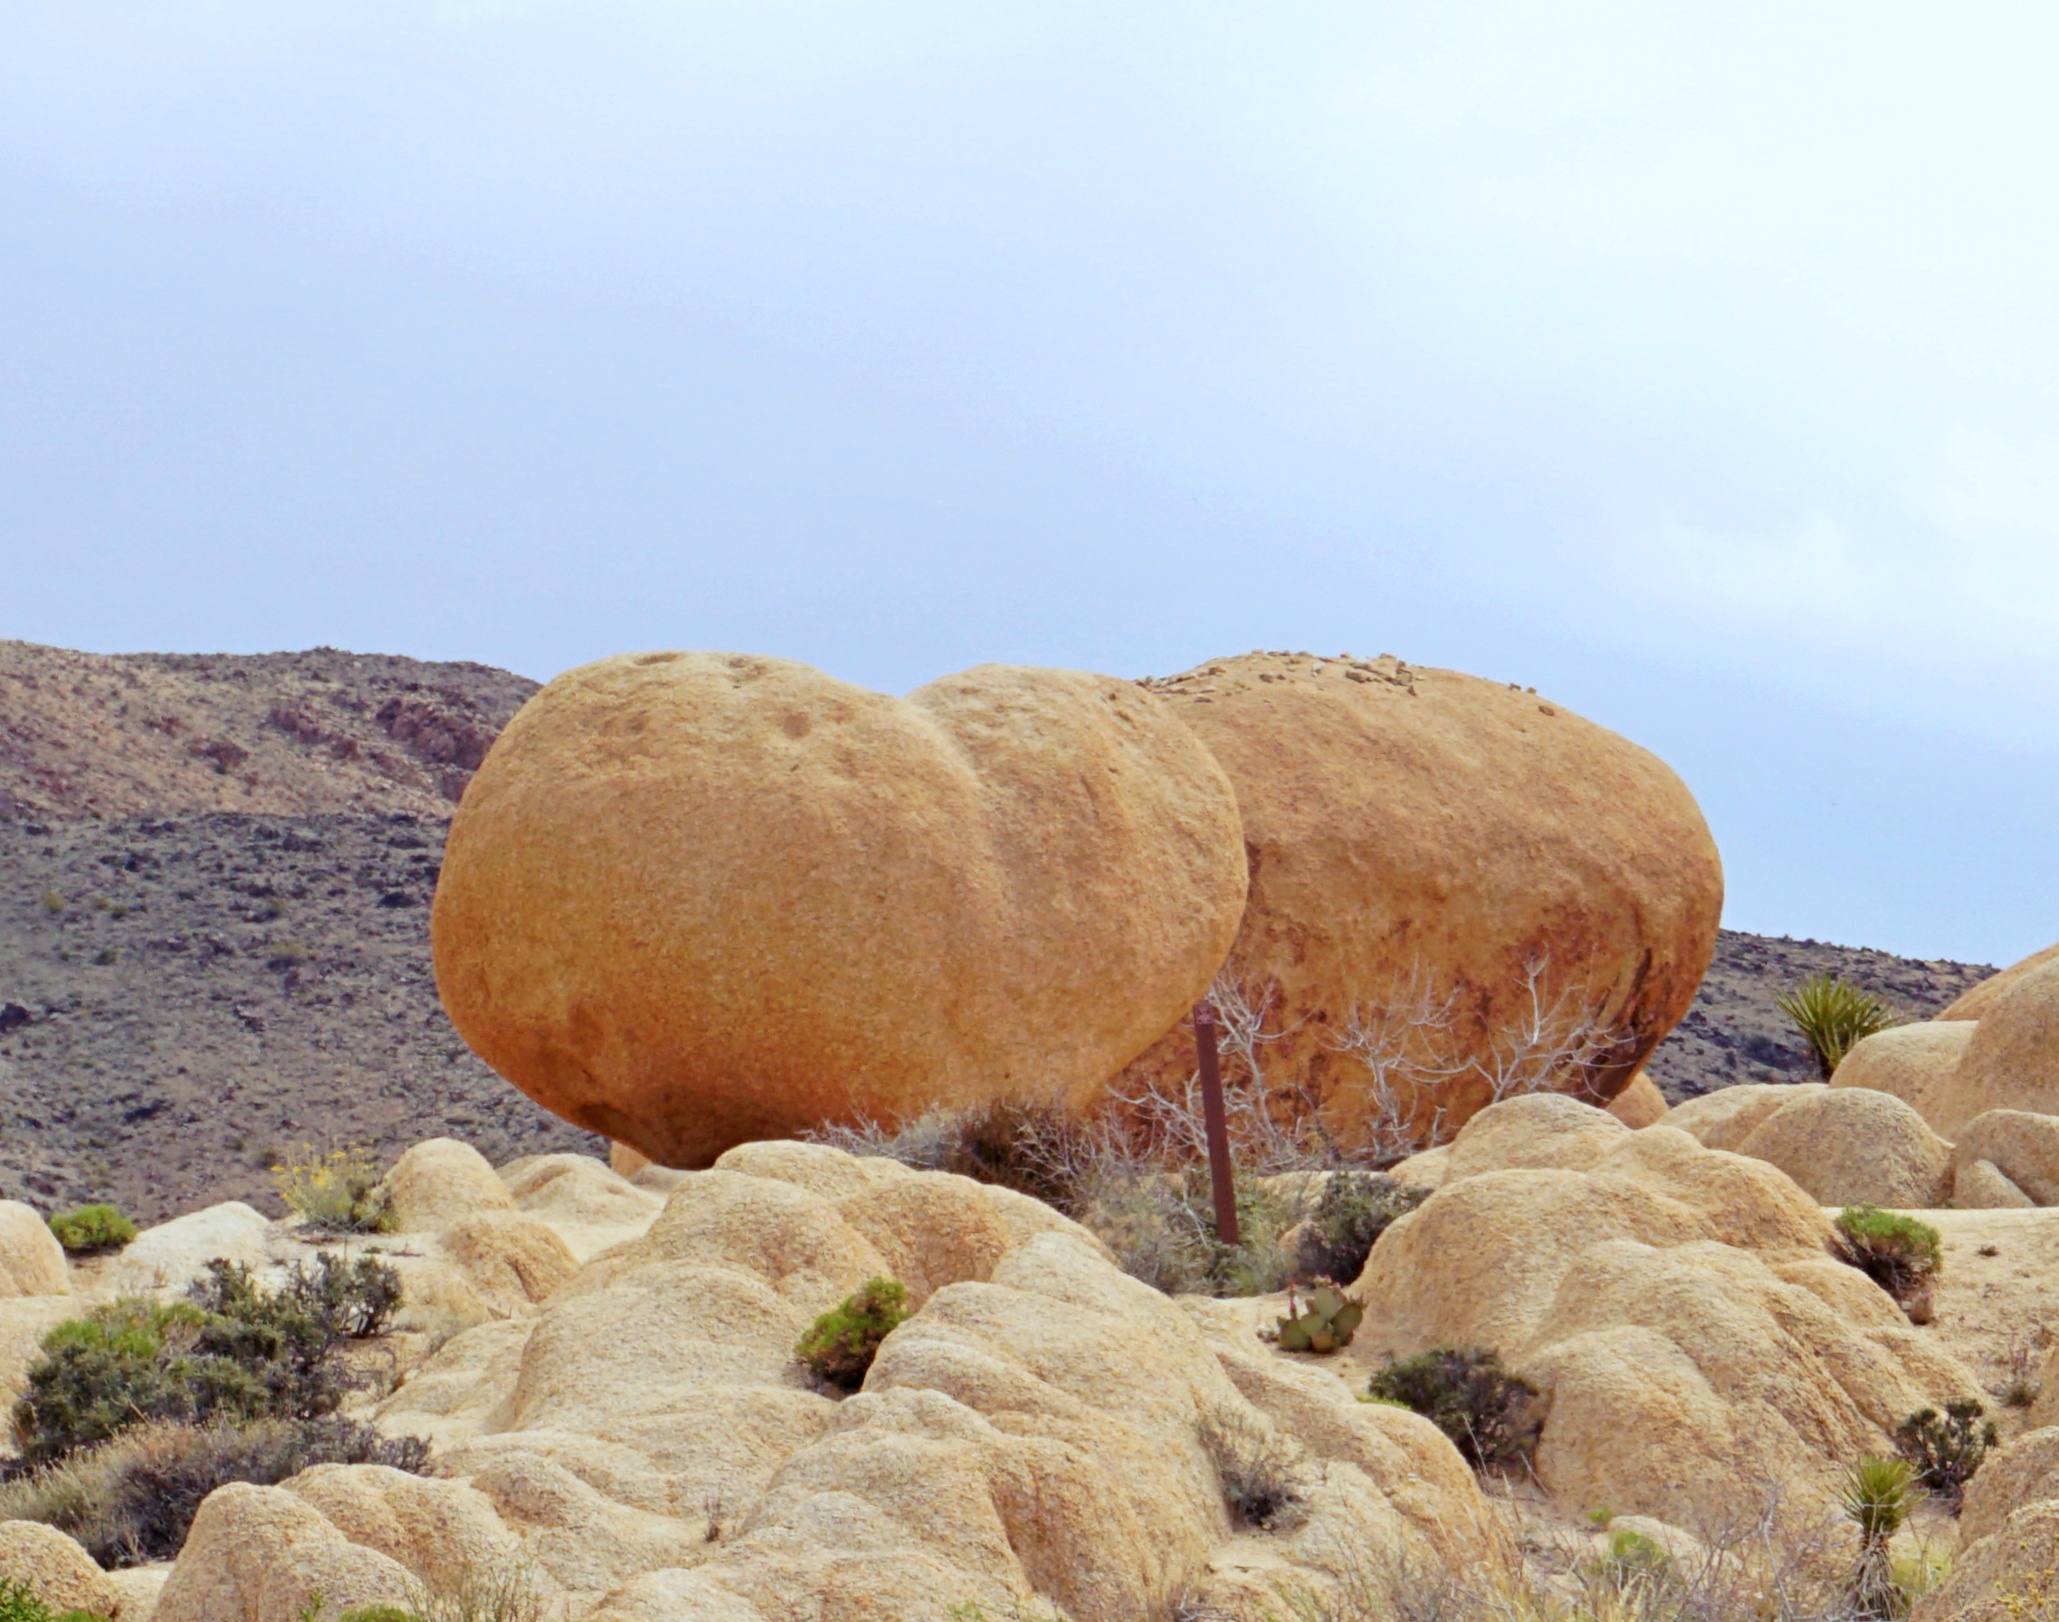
point(92, 1229)
point(1035, 1149)
point(1255, 1465)
point(501, 1594)
point(18, 1603)
point(1490, 1414)
point(132, 1499)
point(232, 1352)
point(1834, 1016)
point(1161, 1228)
point(1354, 1209)
point(1900, 1254)
point(839, 1348)
point(335, 1190)
point(1946, 1449)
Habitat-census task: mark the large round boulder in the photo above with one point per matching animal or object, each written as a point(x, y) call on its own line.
point(1484, 892)
point(694, 899)
point(2012, 1059)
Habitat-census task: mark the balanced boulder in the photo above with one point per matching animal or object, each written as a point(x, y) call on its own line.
point(691, 900)
point(1478, 890)
point(2012, 1059)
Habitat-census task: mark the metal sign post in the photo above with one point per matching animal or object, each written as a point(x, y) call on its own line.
point(1217, 1124)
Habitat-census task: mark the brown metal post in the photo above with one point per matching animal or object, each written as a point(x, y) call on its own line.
point(1217, 1124)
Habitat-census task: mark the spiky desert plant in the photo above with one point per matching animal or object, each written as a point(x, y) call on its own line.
point(1325, 1324)
point(1834, 1016)
point(1875, 1499)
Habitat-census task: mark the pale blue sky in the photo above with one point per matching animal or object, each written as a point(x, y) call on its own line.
point(1698, 364)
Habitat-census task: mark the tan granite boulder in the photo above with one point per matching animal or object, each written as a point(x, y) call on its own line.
point(31, 1260)
point(2012, 1059)
point(1851, 1145)
point(59, 1573)
point(2022, 1146)
point(1541, 892)
point(1676, 1304)
point(1914, 1062)
point(1726, 1117)
point(1640, 1104)
point(691, 900)
point(438, 1181)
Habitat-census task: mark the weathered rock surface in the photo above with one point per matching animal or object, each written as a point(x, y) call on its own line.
point(1724, 1119)
point(692, 900)
point(1580, 869)
point(60, 1573)
point(1981, 1185)
point(1674, 1302)
point(2012, 1060)
point(1975, 1002)
point(2022, 1146)
point(2003, 1569)
point(31, 1259)
point(1043, 1431)
point(1640, 1104)
point(1914, 1062)
point(1849, 1145)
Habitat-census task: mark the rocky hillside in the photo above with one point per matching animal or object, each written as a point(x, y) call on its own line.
point(85, 734)
point(1735, 1033)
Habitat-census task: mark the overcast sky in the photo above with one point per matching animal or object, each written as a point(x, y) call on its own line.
point(1696, 363)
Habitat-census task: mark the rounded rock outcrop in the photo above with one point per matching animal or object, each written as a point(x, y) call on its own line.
point(1428, 843)
point(691, 899)
point(1847, 1146)
point(2012, 1059)
point(1914, 1062)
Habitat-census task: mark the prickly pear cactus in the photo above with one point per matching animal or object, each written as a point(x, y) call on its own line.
point(1328, 1322)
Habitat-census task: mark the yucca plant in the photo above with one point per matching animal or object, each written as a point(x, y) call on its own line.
point(1834, 1016)
point(1875, 1498)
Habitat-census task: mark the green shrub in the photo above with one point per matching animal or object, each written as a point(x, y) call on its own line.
point(1900, 1254)
point(92, 1229)
point(1355, 1208)
point(18, 1603)
point(131, 1500)
point(841, 1345)
point(1161, 1228)
point(336, 1190)
point(230, 1353)
point(1491, 1415)
point(1834, 1016)
point(1946, 1449)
